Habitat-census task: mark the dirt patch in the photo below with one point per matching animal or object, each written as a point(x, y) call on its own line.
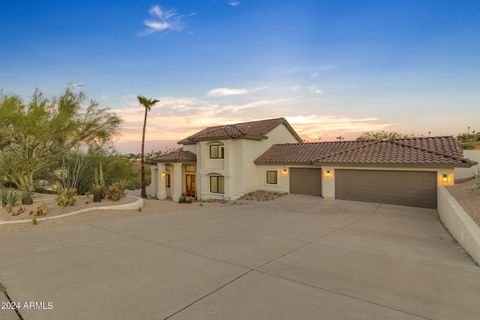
point(55, 210)
point(469, 199)
point(151, 207)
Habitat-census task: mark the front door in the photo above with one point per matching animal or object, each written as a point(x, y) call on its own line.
point(190, 185)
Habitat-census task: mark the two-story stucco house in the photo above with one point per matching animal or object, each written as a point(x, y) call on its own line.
point(228, 161)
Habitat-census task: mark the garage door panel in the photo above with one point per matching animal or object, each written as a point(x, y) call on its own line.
point(409, 188)
point(306, 181)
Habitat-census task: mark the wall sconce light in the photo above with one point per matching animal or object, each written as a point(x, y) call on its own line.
point(327, 173)
point(284, 172)
point(163, 174)
point(445, 178)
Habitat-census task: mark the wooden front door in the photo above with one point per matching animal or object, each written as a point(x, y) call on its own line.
point(190, 185)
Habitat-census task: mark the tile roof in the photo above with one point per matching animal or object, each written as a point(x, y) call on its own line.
point(422, 152)
point(178, 155)
point(255, 130)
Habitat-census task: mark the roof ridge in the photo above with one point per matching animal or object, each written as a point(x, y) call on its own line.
point(347, 150)
point(250, 121)
point(429, 137)
point(320, 142)
point(238, 128)
point(428, 150)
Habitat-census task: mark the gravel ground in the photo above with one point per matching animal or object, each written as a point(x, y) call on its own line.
point(151, 207)
point(469, 199)
point(55, 210)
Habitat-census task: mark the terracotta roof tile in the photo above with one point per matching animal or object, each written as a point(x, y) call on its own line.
point(428, 152)
point(175, 156)
point(247, 130)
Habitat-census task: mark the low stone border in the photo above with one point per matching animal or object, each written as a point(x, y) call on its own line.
point(459, 223)
point(127, 206)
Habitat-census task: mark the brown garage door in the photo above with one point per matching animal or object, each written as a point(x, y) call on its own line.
point(407, 188)
point(306, 181)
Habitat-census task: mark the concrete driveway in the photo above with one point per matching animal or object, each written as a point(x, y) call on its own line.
point(297, 257)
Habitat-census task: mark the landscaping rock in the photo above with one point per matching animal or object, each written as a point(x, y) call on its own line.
point(262, 195)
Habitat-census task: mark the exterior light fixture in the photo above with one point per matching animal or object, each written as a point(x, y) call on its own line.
point(445, 178)
point(163, 174)
point(327, 173)
point(284, 172)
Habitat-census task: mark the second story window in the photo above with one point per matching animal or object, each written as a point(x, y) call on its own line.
point(216, 152)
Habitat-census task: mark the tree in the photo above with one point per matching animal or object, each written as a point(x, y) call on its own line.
point(468, 141)
point(147, 104)
point(381, 136)
point(36, 135)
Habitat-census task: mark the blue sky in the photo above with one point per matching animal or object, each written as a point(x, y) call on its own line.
point(331, 67)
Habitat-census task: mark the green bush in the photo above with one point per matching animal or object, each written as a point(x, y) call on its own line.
point(9, 199)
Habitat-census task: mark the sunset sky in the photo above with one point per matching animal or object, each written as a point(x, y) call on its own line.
point(330, 67)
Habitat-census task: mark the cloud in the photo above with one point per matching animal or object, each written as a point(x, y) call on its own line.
point(174, 118)
point(311, 127)
point(255, 104)
point(76, 85)
point(234, 3)
point(296, 88)
point(225, 92)
point(315, 89)
point(163, 20)
point(314, 75)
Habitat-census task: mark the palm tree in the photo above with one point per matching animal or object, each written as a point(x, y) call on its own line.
point(148, 104)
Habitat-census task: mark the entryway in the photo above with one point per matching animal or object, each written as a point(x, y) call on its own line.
point(190, 185)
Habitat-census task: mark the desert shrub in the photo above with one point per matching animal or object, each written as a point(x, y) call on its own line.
point(119, 168)
point(42, 210)
point(9, 199)
point(18, 212)
point(115, 191)
point(66, 196)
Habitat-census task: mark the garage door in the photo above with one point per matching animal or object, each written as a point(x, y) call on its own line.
point(407, 188)
point(306, 181)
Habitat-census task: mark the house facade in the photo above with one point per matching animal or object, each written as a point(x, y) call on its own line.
point(228, 161)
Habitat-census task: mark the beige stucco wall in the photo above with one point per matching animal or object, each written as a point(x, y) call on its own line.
point(190, 147)
point(283, 184)
point(237, 167)
point(328, 180)
point(328, 183)
point(462, 173)
point(459, 223)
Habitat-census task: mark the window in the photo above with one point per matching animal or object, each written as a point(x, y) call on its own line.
point(216, 152)
point(272, 177)
point(167, 180)
point(189, 168)
point(217, 184)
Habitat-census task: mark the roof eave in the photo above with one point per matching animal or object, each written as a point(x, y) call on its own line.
point(389, 165)
point(173, 161)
